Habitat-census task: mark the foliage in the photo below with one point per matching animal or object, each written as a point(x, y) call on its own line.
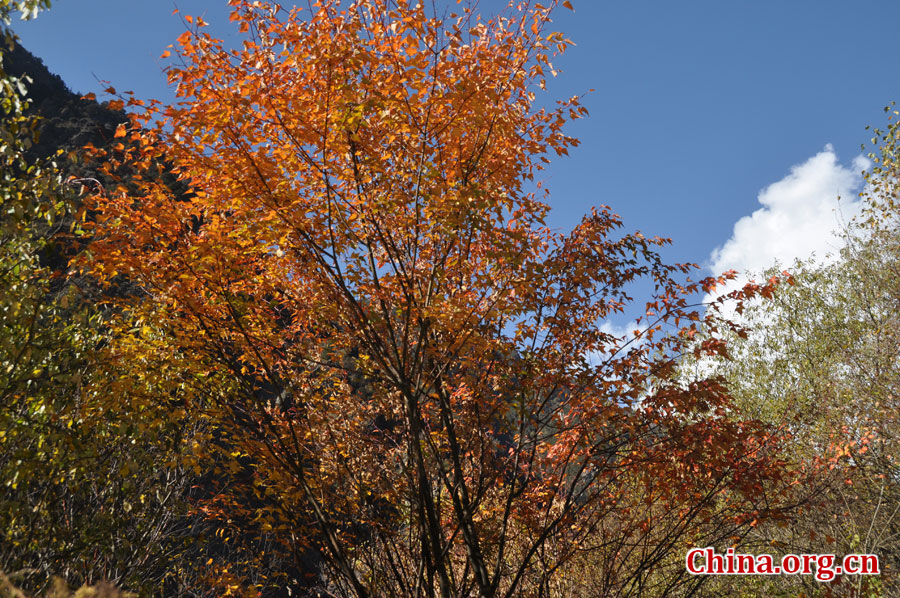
point(823, 362)
point(27, 9)
point(59, 589)
point(414, 381)
point(90, 488)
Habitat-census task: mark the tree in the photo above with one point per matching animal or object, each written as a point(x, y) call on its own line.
point(823, 361)
point(420, 388)
point(91, 489)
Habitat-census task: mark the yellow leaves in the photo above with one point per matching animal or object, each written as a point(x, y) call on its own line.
point(568, 5)
point(121, 131)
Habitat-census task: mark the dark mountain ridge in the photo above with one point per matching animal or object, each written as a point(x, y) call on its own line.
point(68, 121)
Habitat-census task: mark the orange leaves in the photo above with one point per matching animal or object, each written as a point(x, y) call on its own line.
point(351, 244)
point(184, 39)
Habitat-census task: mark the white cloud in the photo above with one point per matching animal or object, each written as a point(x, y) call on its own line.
point(797, 219)
point(625, 331)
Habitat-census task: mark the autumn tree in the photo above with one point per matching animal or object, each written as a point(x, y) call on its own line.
point(823, 362)
point(418, 385)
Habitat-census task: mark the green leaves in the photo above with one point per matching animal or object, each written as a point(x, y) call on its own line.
point(821, 361)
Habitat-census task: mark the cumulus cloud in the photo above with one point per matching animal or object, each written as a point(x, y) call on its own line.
point(798, 217)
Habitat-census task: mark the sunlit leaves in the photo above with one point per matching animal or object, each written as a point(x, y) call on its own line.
point(420, 386)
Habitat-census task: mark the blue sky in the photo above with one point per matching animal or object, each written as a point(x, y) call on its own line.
point(702, 108)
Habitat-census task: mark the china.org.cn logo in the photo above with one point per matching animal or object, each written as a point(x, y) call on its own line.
point(825, 567)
